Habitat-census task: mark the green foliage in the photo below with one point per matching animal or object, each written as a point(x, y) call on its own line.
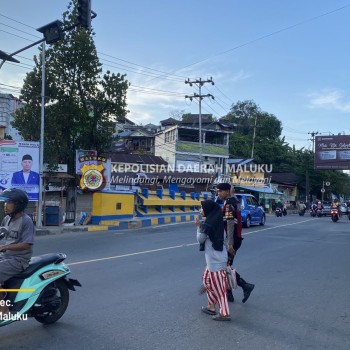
point(81, 106)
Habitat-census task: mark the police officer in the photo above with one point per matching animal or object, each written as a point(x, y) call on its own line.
point(233, 228)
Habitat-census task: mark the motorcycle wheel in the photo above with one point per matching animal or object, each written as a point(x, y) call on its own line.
point(334, 219)
point(61, 296)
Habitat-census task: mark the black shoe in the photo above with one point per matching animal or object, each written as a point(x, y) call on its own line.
point(230, 297)
point(247, 289)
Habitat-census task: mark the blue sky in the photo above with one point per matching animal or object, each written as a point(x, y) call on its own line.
point(290, 57)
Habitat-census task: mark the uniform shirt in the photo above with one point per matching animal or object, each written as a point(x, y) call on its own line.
point(20, 230)
point(233, 222)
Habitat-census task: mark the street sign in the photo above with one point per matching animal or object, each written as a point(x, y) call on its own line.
point(327, 183)
point(323, 190)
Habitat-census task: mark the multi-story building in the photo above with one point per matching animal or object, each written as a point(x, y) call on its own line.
point(178, 143)
point(135, 139)
point(8, 105)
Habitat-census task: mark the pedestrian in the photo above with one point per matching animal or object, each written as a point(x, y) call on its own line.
point(16, 248)
point(231, 212)
point(210, 232)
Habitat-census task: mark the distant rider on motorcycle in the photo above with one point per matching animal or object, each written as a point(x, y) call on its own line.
point(336, 205)
point(17, 248)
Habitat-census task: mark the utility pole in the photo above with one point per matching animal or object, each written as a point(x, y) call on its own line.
point(199, 82)
point(313, 134)
point(307, 178)
point(254, 133)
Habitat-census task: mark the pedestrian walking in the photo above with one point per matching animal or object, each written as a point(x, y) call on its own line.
point(210, 232)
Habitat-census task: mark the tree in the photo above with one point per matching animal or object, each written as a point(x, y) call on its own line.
point(81, 107)
point(257, 129)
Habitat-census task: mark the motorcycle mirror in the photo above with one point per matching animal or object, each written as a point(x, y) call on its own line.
point(3, 232)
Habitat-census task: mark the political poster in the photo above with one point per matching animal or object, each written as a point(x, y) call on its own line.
point(19, 166)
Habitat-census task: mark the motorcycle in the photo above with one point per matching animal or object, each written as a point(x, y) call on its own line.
point(284, 211)
point(313, 212)
point(301, 212)
point(40, 291)
point(319, 212)
point(334, 214)
point(278, 212)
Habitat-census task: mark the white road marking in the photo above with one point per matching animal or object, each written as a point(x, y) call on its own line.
point(174, 247)
point(274, 227)
point(131, 254)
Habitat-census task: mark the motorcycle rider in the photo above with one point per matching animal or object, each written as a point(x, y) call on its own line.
point(301, 207)
point(16, 249)
point(233, 227)
point(336, 205)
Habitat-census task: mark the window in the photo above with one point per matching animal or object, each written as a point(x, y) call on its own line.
point(170, 136)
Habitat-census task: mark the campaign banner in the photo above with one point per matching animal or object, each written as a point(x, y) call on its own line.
point(332, 152)
point(19, 166)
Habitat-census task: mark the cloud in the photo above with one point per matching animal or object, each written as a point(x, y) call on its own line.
point(330, 99)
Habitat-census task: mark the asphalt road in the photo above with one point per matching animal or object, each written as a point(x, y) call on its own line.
point(140, 290)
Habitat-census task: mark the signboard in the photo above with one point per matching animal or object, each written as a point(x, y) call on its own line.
point(19, 166)
point(95, 170)
point(88, 159)
point(332, 152)
point(248, 178)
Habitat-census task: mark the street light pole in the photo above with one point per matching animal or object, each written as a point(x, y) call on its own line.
point(42, 122)
point(323, 190)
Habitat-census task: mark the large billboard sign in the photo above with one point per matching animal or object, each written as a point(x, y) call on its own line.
point(332, 152)
point(19, 166)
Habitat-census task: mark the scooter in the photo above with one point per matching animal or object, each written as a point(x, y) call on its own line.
point(40, 291)
point(334, 214)
point(278, 212)
point(313, 212)
point(301, 212)
point(319, 212)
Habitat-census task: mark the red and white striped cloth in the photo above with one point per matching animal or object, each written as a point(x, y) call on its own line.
point(216, 288)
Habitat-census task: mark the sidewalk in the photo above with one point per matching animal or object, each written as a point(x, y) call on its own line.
point(113, 225)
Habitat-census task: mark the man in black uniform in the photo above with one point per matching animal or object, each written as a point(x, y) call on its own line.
point(233, 227)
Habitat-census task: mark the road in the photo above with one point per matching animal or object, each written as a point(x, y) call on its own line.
point(140, 290)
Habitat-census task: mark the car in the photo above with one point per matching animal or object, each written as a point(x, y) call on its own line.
point(343, 208)
point(252, 211)
point(326, 208)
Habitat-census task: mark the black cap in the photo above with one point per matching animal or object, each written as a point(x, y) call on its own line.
point(27, 157)
point(224, 186)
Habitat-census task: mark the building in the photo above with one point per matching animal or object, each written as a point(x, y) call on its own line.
point(8, 105)
point(134, 139)
point(178, 143)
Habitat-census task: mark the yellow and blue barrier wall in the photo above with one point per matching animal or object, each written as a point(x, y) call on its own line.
point(115, 210)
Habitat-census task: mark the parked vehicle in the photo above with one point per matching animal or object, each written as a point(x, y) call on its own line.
point(335, 214)
point(252, 211)
point(40, 291)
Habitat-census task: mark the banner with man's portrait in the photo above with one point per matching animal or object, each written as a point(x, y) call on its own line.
point(19, 166)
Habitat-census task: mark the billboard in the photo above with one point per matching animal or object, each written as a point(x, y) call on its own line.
point(19, 166)
point(332, 152)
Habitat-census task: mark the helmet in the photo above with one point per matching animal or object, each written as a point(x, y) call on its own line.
point(18, 196)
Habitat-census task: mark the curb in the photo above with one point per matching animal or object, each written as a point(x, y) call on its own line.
point(115, 225)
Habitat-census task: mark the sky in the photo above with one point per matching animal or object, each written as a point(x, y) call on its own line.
point(290, 57)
